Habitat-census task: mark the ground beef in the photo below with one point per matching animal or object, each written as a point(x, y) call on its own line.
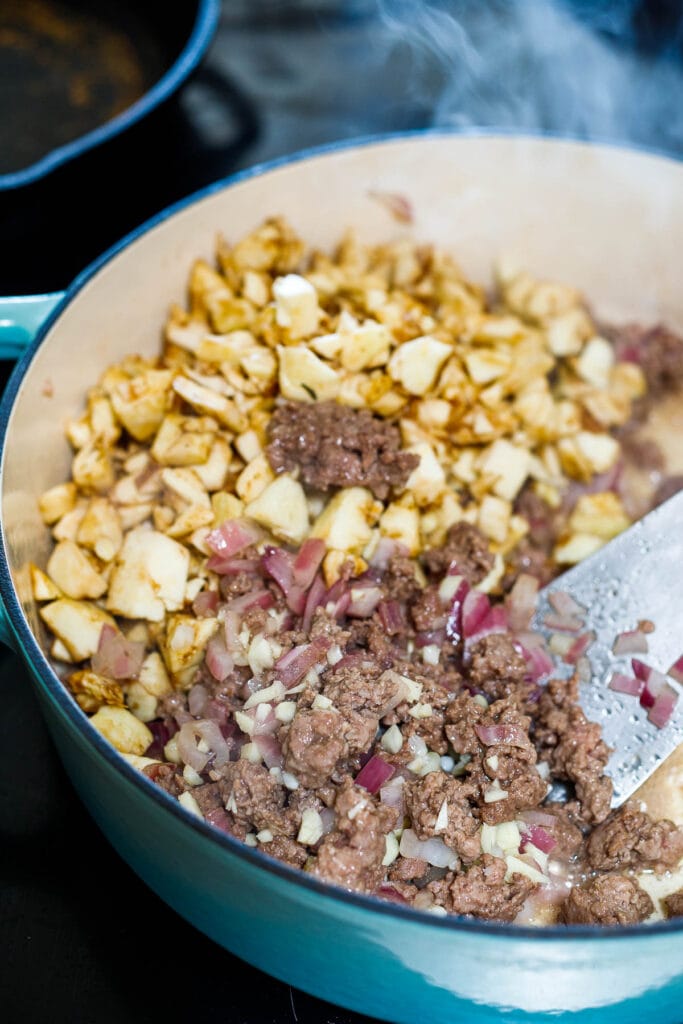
point(669, 486)
point(533, 554)
point(659, 352)
point(576, 751)
point(428, 610)
point(352, 854)
point(543, 522)
point(429, 729)
point(497, 668)
point(361, 697)
point(353, 687)
point(462, 716)
point(401, 582)
point(167, 776)
point(466, 548)
point(568, 836)
point(482, 891)
point(532, 560)
point(254, 797)
point(673, 904)
point(313, 745)
point(424, 800)
point(407, 869)
point(286, 850)
point(607, 900)
point(333, 445)
point(640, 451)
point(631, 839)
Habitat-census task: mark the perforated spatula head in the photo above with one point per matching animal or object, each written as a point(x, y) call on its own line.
point(637, 576)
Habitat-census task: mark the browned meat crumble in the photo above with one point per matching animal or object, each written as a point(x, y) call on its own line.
point(334, 446)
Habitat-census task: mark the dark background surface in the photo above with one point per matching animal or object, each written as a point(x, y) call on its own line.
point(81, 938)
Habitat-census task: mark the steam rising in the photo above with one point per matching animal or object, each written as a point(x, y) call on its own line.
point(587, 69)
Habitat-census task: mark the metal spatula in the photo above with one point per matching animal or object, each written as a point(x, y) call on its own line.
point(636, 576)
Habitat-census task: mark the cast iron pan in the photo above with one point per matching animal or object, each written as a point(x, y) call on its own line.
point(92, 128)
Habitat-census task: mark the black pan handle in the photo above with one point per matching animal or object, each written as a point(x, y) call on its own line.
point(223, 118)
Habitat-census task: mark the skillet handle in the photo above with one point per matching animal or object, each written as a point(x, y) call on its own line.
point(21, 317)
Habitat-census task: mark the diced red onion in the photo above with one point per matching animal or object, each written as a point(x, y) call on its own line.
point(342, 606)
point(398, 205)
point(218, 711)
point(632, 641)
point(583, 670)
point(307, 562)
point(205, 604)
point(327, 816)
point(676, 670)
point(621, 683)
point(388, 892)
point(535, 817)
point(563, 623)
point(258, 598)
point(182, 715)
point(187, 747)
point(294, 664)
point(429, 637)
point(383, 553)
point(219, 660)
point(314, 598)
point(232, 630)
point(188, 737)
point(279, 564)
point(495, 621)
point(211, 733)
point(392, 793)
point(565, 605)
point(270, 750)
point(538, 837)
point(658, 696)
point(640, 669)
point(218, 817)
point(338, 599)
point(663, 707)
point(539, 662)
point(374, 774)
point(263, 717)
point(232, 536)
point(233, 566)
point(296, 577)
point(296, 599)
point(197, 700)
point(337, 590)
point(363, 601)
point(475, 608)
point(521, 602)
point(161, 730)
point(116, 657)
point(579, 647)
point(434, 851)
point(454, 621)
point(392, 616)
point(513, 735)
